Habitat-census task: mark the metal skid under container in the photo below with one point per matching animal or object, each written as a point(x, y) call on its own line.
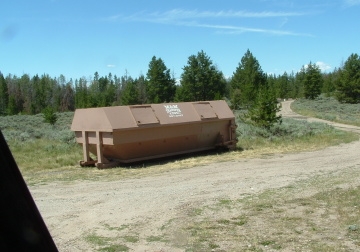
point(125, 134)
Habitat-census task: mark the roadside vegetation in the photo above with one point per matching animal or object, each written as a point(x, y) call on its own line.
point(48, 152)
point(328, 108)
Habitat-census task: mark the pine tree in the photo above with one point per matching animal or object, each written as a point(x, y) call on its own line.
point(248, 77)
point(38, 99)
point(81, 93)
point(141, 84)
point(263, 113)
point(313, 81)
point(284, 86)
point(27, 92)
point(201, 80)
point(103, 83)
point(68, 98)
point(49, 115)
point(4, 95)
point(348, 86)
point(294, 89)
point(329, 83)
point(130, 94)
point(299, 82)
point(236, 99)
point(12, 109)
point(160, 86)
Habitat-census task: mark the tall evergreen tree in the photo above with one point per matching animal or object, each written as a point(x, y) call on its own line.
point(49, 87)
point(284, 86)
point(236, 99)
point(248, 77)
point(117, 84)
point(4, 95)
point(348, 86)
point(81, 93)
point(103, 83)
point(12, 109)
point(313, 81)
point(110, 92)
point(299, 82)
point(273, 81)
point(263, 112)
point(329, 85)
point(68, 98)
point(38, 94)
point(201, 80)
point(130, 94)
point(160, 86)
point(19, 96)
point(15, 95)
point(28, 94)
point(94, 91)
point(141, 85)
point(294, 89)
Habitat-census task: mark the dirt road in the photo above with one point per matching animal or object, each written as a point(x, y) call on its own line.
point(73, 211)
point(287, 112)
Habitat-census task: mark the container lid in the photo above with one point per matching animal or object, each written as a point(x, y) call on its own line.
point(107, 119)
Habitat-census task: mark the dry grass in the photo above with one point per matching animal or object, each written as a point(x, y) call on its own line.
point(48, 153)
point(41, 162)
point(315, 214)
point(301, 217)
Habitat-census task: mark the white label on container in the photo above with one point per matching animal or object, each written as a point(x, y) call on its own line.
point(173, 110)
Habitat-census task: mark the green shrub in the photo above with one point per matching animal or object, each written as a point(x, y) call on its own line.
point(263, 113)
point(328, 108)
point(31, 127)
point(50, 115)
point(289, 129)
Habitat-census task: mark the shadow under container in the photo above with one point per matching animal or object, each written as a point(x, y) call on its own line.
point(125, 134)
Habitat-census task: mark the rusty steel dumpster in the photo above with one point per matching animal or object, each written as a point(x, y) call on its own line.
point(124, 134)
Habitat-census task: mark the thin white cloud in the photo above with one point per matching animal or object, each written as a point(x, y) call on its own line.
point(190, 18)
point(240, 29)
point(187, 14)
point(111, 65)
point(352, 2)
point(180, 14)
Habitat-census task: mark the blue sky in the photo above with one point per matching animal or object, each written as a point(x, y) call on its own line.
point(77, 38)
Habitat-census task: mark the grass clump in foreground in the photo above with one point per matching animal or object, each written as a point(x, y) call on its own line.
point(317, 214)
point(328, 108)
point(104, 243)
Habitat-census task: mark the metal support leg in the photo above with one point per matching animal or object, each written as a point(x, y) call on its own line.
point(85, 146)
point(99, 151)
point(86, 154)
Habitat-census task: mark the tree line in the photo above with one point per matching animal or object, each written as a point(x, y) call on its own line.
point(201, 80)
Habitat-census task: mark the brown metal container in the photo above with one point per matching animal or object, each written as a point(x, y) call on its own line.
point(125, 134)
